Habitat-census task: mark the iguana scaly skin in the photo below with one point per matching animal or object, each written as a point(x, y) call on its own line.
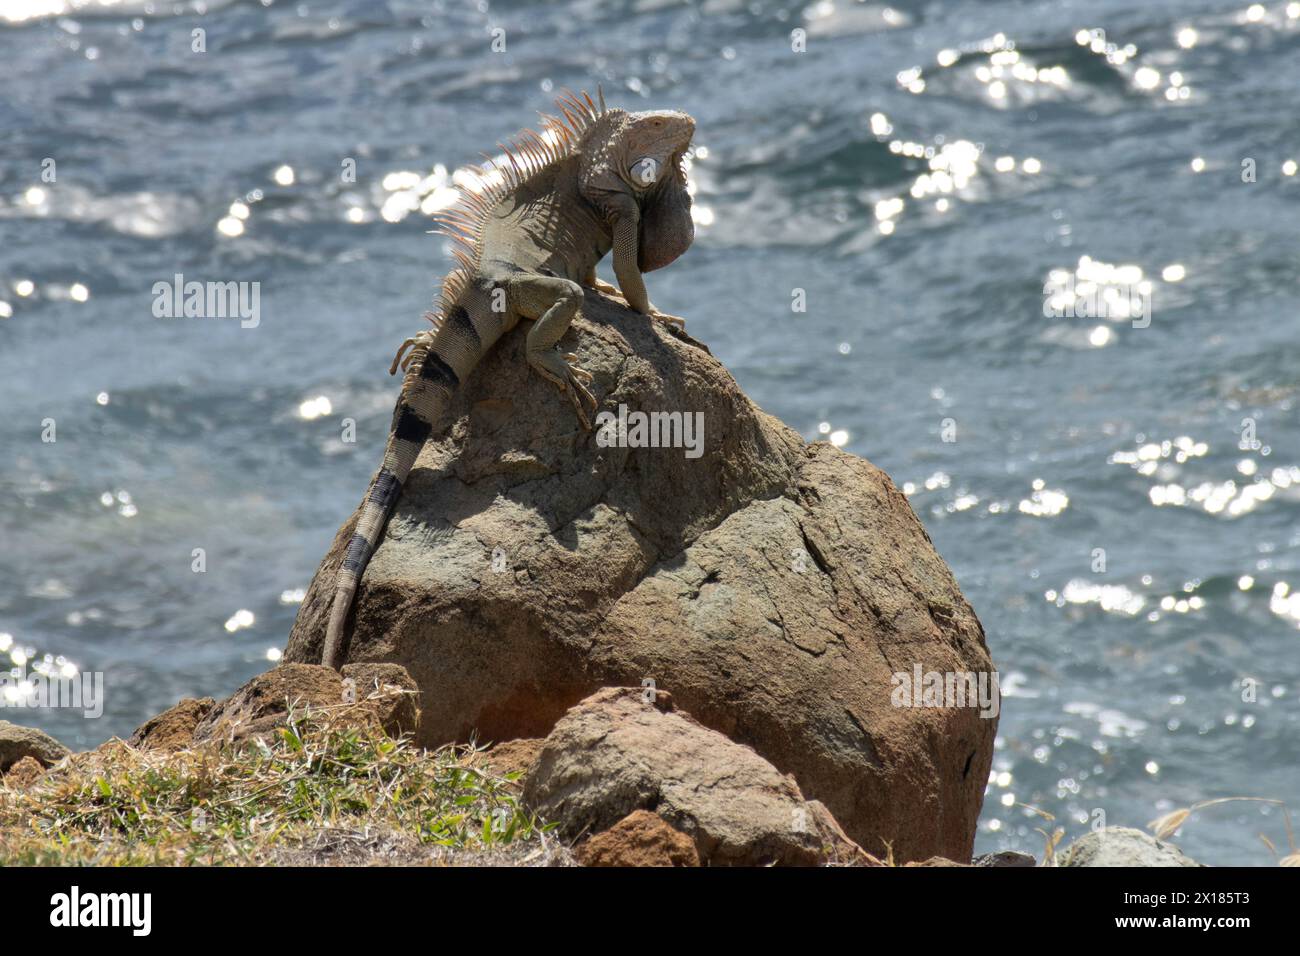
point(596, 180)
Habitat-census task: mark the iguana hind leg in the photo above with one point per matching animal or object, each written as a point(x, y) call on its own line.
point(552, 303)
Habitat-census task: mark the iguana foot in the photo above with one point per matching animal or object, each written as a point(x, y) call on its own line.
point(665, 317)
point(564, 372)
point(604, 288)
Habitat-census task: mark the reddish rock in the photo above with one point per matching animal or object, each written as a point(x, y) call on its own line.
point(641, 838)
point(514, 756)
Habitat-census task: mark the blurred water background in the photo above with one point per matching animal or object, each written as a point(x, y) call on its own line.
point(1120, 503)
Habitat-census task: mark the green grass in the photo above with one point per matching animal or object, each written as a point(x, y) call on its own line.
point(317, 793)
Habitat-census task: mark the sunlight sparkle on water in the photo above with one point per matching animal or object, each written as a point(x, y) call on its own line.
point(1044, 502)
point(240, 620)
point(1285, 603)
point(313, 408)
point(1115, 598)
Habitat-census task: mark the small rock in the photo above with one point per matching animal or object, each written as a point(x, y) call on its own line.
point(24, 773)
point(1005, 858)
point(614, 754)
point(641, 838)
point(384, 697)
point(1122, 846)
point(936, 861)
point(17, 742)
point(389, 691)
point(173, 729)
point(514, 756)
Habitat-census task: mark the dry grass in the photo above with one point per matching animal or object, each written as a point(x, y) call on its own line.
point(1167, 825)
point(318, 793)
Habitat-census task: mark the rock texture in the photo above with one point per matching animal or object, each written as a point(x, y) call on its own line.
point(514, 756)
point(173, 729)
point(382, 693)
point(615, 753)
point(17, 742)
point(641, 838)
point(1122, 846)
point(774, 587)
point(1004, 858)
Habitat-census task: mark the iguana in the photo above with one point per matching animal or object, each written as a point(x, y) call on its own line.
point(595, 180)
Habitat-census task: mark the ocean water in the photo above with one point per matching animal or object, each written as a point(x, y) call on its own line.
point(1118, 494)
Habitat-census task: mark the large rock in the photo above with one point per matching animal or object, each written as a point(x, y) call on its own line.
point(17, 742)
point(774, 587)
point(617, 753)
point(1122, 846)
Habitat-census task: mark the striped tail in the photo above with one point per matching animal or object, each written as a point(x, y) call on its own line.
point(426, 391)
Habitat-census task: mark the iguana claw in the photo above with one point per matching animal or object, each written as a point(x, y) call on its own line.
point(582, 374)
point(670, 319)
point(576, 388)
point(562, 371)
point(604, 288)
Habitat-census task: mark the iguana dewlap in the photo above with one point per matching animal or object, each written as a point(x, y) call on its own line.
point(597, 180)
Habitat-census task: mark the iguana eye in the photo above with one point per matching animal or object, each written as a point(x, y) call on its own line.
point(645, 171)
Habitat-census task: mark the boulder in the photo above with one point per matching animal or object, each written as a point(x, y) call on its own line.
point(17, 742)
point(773, 586)
point(1122, 846)
point(641, 838)
point(382, 695)
point(617, 752)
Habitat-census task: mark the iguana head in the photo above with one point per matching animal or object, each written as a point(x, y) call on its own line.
point(651, 146)
point(637, 158)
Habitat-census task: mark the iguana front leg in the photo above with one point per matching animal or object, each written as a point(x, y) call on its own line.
point(628, 272)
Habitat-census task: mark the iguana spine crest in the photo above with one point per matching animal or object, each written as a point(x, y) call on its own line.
point(528, 153)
